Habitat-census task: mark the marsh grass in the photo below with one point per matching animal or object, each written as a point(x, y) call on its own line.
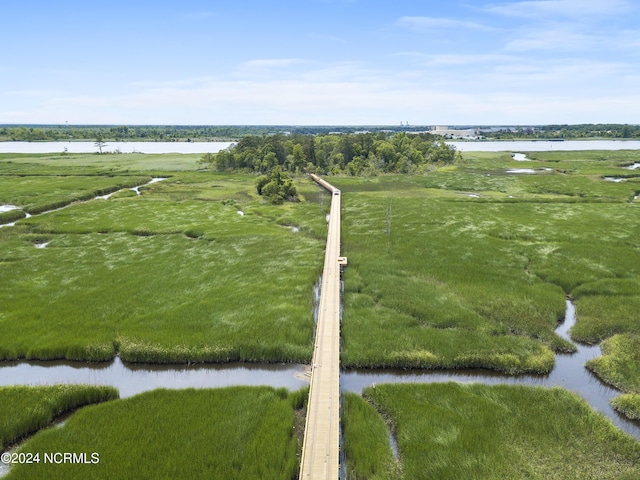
point(453, 431)
point(11, 216)
point(628, 404)
point(619, 364)
point(367, 450)
point(231, 433)
point(172, 275)
point(87, 163)
point(480, 282)
point(24, 410)
point(37, 194)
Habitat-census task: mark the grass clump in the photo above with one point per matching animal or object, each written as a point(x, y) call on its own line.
point(231, 433)
point(24, 410)
point(619, 366)
point(11, 216)
point(628, 404)
point(367, 451)
point(453, 431)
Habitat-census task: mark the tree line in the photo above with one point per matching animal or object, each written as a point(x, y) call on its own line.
point(581, 131)
point(351, 154)
point(167, 133)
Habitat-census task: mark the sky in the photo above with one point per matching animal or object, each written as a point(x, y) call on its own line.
point(320, 62)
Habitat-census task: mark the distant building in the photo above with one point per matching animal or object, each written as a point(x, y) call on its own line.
point(448, 132)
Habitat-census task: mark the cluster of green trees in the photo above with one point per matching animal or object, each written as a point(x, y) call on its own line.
point(277, 186)
point(581, 131)
point(352, 154)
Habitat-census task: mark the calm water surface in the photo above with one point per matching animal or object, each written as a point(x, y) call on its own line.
point(123, 147)
point(213, 147)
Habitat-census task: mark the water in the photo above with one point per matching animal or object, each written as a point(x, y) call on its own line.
point(569, 372)
point(122, 147)
point(521, 170)
point(614, 179)
point(520, 157)
point(7, 208)
point(546, 146)
point(213, 147)
point(132, 379)
point(635, 166)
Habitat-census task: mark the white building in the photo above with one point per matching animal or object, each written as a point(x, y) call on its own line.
point(454, 133)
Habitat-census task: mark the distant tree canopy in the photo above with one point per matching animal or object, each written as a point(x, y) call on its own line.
point(352, 154)
point(277, 186)
point(187, 133)
point(568, 132)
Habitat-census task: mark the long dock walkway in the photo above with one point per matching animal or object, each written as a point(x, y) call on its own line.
point(321, 447)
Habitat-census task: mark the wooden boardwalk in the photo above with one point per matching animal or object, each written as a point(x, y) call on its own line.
point(321, 447)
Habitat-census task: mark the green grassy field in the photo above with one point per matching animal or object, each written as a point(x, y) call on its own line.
point(619, 366)
point(232, 433)
point(173, 275)
point(628, 404)
point(453, 431)
point(480, 281)
point(367, 450)
point(24, 410)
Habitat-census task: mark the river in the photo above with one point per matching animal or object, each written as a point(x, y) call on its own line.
point(213, 147)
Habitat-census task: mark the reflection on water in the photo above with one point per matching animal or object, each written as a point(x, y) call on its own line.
point(131, 379)
point(569, 372)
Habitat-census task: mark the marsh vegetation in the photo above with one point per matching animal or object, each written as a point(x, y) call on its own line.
point(232, 433)
point(171, 275)
point(24, 410)
point(452, 431)
point(480, 282)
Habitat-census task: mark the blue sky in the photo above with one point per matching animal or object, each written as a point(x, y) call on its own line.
point(306, 62)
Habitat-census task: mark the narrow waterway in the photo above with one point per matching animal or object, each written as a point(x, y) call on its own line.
point(98, 197)
point(132, 379)
point(569, 372)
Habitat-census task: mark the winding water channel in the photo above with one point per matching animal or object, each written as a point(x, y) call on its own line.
point(569, 372)
point(131, 379)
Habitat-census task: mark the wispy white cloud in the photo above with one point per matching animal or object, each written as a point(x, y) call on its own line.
point(511, 91)
point(562, 8)
point(422, 23)
point(556, 39)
